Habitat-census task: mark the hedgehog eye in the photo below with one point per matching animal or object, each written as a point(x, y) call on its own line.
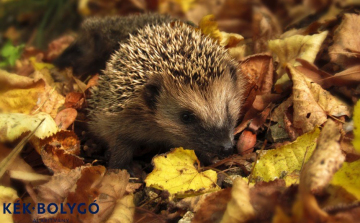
point(187, 117)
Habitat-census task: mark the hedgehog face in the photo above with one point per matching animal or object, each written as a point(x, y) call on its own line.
point(198, 117)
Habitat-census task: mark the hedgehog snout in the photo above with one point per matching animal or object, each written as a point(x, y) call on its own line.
point(227, 148)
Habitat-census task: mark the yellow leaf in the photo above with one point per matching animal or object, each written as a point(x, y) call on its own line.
point(14, 124)
point(180, 6)
point(29, 95)
point(176, 173)
point(7, 195)
point(40, 65)
point(209, 26)
point(348, 177)
point(83, 7)
point(356, 118)
point(278, 162)
point(20, 94)
point(297, 46)
point(186, 4)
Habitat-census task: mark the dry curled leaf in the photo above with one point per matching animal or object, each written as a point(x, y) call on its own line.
point(88, 184)
point(346, 48)
point(60, 151)
point(312, 104)
point(212, 207)
point(318, 171)
point(325, 160)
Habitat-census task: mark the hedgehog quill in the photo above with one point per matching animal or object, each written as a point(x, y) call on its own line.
point(164, 85)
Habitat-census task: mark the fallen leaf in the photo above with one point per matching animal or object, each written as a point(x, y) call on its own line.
point(176, 173)
point(259, 68)
point(279, 162)
point(65, 118)
point(74, 100)
point(265, 26)
point(209, 26)
point(265, 197)
point(57, 46)
point(87, 184)
point(239, 208)
point(348, 177)
point(312, 104)
point(346, 48)
point(40, 65)
point(13, 125)
point(326, 159)
point(314, 73)
point(60, 152)
point(291, 48)
point(28, 96)
point(22, 100)
point(9, 195)
point(348, 77)
point(10, 81)
point(123, 211)
point(212, 207)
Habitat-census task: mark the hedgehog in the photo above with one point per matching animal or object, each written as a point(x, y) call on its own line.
point(167, 85)
point(99, 37)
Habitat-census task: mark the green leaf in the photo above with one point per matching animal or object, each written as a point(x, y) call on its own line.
point(10, 53)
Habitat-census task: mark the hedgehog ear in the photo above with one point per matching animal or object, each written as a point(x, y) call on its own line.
point(151, 92)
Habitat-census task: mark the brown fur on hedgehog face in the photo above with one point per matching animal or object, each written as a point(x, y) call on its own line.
point(198, 117)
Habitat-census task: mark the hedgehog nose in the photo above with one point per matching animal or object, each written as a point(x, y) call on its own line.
point(227, 148)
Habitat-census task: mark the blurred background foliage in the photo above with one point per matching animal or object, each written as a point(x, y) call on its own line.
point(38, 22)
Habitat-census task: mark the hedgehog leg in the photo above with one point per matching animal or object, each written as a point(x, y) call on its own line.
point(121, 154)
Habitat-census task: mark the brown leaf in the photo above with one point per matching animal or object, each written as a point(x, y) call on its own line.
point(259, 69)
point(318, 171)
point(311, 103)
point(89, 184)
point(265, 26)
point(258, 112)
point(57, 46)
point(346, 48)
point(348, 77)
point(213, 207)
point(93, 81)
point(74, 100)
point(65, 118)
point(60, 151)
point(324, 162)
point(314, 73)
point(266, 196)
